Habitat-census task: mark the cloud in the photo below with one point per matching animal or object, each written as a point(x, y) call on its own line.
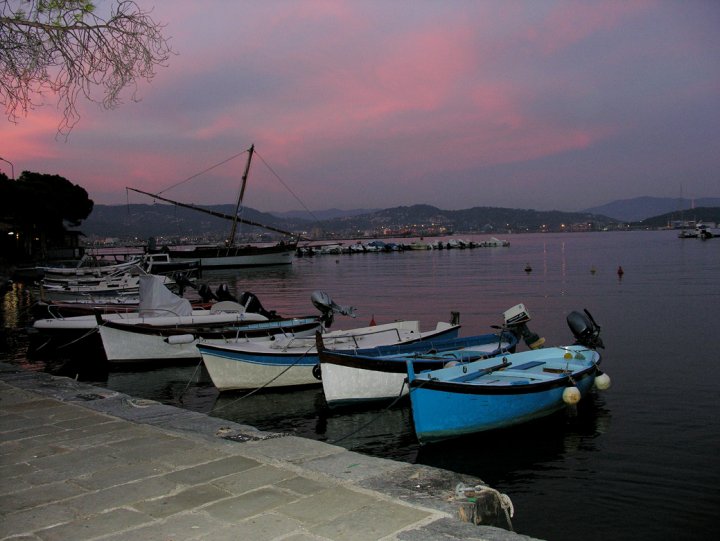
point(371, 103)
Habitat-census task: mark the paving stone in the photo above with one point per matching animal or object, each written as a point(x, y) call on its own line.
point(212, 470)
point(290, 449)
point(122, 495)
point(303, 485)
point(94, 526)
point(370, 522)
point(246, 505)
point(37, 518)
point(264, 527)
point(185, 500)
point(119, 475)
point(39, 495)
point(84, 461)
point(182, 458)
point(253, 478)
point(186, 527)
point(326, 505)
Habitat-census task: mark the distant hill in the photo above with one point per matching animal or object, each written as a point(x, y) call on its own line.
point(328, 214)
point(640, 208)
point(699, 214)
point(141, 222)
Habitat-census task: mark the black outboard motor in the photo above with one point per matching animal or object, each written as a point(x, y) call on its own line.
point(206, 293)
point(223, 293)
point(182, 281)
point(253, 304)
point(585, 330)
point(328, 307)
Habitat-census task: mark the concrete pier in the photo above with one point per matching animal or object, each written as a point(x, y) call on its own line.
point(79, 462)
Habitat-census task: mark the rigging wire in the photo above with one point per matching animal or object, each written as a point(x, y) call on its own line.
point(287, 187)
point(204, 171)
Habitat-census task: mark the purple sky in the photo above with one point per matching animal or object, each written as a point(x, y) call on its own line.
point(373, 104)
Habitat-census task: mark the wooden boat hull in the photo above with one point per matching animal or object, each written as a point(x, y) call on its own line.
point(291, 363)
point(350, 378)
point(238, 256)
point(146, 343)
point(449, 403)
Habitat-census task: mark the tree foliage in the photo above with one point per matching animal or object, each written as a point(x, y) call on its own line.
point(67, 48)
point(43, 201)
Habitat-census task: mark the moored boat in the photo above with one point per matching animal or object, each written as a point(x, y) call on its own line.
point(230, 254)
point(291, 361)
point(157, 306)
point(353, 377)
point(506, 390)
point(148, 343)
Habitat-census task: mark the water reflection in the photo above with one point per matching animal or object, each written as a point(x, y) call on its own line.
point(518, 454)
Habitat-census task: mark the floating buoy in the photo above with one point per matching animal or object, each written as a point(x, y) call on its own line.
point(620, 271)
point(593, 270)
point(372, 321)
point(528, 268)
point(571, 395)
point(602, 381)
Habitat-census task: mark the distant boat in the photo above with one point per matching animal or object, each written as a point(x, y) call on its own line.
point(231, 255)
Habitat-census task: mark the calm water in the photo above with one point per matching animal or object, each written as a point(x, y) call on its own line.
point(640, 461)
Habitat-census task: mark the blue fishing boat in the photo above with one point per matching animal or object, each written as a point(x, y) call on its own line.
point(506, 390)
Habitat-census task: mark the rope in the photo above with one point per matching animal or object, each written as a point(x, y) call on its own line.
point(91, 331)
point(203, 171)
point(189, 381)
point(286, 186)
point(373, 419)
point(504, 500)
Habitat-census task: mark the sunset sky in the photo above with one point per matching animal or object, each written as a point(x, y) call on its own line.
point(380, 103)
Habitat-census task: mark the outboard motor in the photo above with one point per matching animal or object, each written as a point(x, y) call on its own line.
point(585, 330)
point(516, 319)
point(206, 293)
point(328, 307)
point(182, 282)
point(253, 304)
point(223, 293)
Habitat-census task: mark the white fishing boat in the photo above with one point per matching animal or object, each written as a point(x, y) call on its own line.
point(132, 342)
point(158, 306)
point(292, 361)
point(125, 342)
point(119, 285)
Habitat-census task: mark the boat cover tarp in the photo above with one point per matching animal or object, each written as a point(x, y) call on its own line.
point(158, 300)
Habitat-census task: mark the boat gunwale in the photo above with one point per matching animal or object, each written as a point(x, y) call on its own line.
point(422, 381)
point(240, 355)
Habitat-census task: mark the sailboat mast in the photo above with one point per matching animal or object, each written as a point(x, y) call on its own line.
point(231, 238)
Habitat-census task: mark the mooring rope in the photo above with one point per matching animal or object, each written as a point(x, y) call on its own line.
point(91, 331)
point(189, 381)
point(373, 419)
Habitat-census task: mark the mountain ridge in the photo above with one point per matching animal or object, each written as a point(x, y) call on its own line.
point(139, 222)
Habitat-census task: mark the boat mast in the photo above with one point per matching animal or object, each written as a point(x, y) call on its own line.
point(231, 239)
